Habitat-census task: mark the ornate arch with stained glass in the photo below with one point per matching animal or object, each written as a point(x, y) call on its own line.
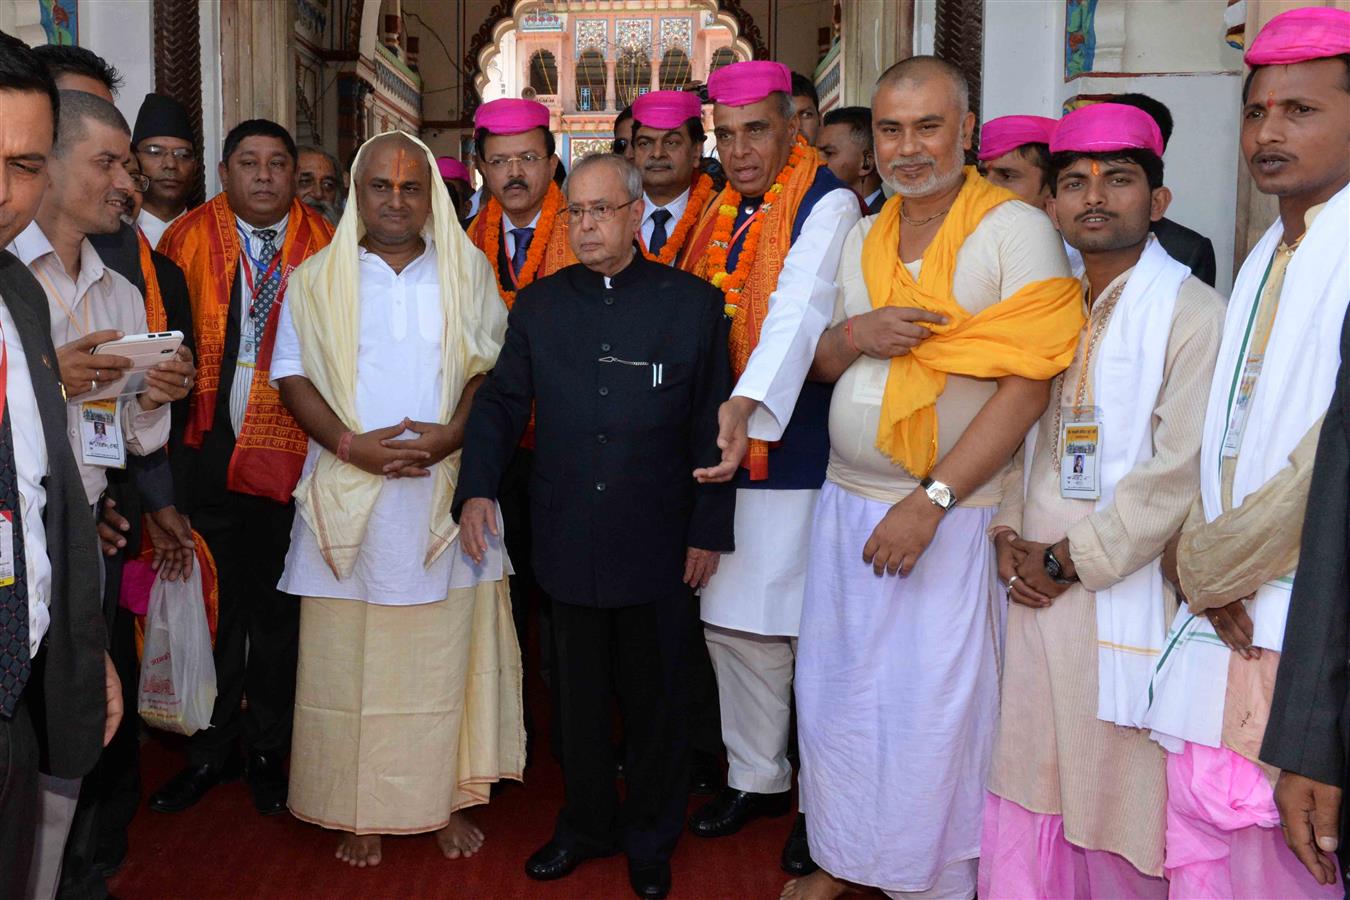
point(587, 61)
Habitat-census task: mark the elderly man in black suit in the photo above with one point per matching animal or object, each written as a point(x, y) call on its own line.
point(625, 362)
point(60, 700)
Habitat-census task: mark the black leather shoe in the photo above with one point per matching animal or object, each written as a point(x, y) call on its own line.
point(554, 860)
point(650, 880)
point(705, 776)
point(267, 782)
point(190, 785)
point(796, 858)
point(729, 811)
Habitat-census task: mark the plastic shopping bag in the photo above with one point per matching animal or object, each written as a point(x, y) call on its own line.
point(178, 672)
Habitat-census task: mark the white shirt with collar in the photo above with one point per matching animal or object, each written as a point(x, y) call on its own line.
point(153, 227)
point(248, 337)
point(398, 375)
point(98, 300)
point(675, 207)
point(30, 465)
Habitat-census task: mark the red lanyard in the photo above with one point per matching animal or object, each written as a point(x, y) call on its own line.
point(744, 225)
point(4, 373)
point(252, 263)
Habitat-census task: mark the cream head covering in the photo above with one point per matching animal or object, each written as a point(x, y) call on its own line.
point(336, 498)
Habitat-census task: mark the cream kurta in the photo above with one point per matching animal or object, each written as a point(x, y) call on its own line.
point(1053, 755)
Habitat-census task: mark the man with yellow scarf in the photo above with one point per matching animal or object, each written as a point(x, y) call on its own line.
point(407, 703)
point(956, 311)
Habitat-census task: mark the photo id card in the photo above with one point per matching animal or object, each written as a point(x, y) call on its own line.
point(101, 441)
point(1080, 466)
point(6, 547)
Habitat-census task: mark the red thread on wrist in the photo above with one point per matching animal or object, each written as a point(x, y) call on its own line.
point(344, 447)
point(848, 335)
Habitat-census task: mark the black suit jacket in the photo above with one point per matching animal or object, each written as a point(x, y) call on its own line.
point(613, 501)
point(65, 694)
point(1309, 728)
point(1188, 247)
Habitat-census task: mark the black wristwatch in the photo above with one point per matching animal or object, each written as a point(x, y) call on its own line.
point(1054, 569)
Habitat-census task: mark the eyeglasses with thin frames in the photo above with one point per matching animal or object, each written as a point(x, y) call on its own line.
point(155, 151)
point(600, 212)
point(501, 163)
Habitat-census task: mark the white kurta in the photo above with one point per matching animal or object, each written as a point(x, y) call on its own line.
point(398, 369)
point(758, 588)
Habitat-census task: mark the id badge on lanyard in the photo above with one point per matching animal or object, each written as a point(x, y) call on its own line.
point(1242, 405)
point(1080, 465)
point(101, 442)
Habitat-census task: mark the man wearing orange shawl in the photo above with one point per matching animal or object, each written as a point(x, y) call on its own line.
point(956, 312)
point(521, 230)
point(771, 241)
point(243, 454)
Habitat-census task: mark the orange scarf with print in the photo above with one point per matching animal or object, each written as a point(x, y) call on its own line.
point(775, 239)
point(156, 317)
point(1032, 333)
point(270, 448)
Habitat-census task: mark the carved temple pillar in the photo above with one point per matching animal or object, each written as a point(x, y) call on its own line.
point(257, 61)
point(874, 34)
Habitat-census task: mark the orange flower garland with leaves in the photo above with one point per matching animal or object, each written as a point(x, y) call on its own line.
point(698, 199)
point(731, 283)
point(534, 257)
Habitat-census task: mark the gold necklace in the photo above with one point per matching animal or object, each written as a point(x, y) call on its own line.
point(1102, 315)
point(935, 215)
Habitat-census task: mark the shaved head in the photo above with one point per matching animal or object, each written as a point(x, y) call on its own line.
point(385, 146)
point(918, 70)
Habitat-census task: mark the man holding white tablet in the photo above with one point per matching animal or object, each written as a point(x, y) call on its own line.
point(91, 304)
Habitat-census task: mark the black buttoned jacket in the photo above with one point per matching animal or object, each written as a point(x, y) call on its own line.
point(625, 381)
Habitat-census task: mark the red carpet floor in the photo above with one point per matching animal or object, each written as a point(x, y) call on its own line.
point(222, 848)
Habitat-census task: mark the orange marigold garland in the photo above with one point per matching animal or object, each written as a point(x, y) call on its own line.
point(534, 257)
point(731, 283)
point(698, 199)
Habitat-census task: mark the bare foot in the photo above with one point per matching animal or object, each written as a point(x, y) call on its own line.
point(460, 837)
point(819, 885)
point(359, 850)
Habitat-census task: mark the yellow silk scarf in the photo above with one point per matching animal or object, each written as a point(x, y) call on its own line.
point(1032, 334)
point(336, 498)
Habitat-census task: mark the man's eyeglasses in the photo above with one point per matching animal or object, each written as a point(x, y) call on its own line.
point(140, 182)
point(155, 151)
point(600, 212)
point(620, 146)
point(501, 163)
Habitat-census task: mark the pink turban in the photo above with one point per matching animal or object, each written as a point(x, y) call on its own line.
point(1299, 35)
point(666, 110)
point(1103, 127)
point(1007, 133)
point(743, 83)
point(452, 169)
point(511, 116)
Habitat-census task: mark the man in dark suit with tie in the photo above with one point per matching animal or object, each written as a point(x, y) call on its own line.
point(60, 700)
point(625, 362)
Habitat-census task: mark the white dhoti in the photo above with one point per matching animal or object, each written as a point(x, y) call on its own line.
point(404, 714)
point(752, 609)
point(897, 701)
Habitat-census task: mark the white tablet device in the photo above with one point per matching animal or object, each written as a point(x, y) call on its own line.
point(145, 352)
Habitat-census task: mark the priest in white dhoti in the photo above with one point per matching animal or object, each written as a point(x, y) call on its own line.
point(1104, 482)
point(956, 312)
point(1212, 689)
point(408, 696)
point(770, 240)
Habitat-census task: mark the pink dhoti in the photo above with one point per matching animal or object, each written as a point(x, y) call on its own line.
point(1025, 855)
point(1223, 831)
